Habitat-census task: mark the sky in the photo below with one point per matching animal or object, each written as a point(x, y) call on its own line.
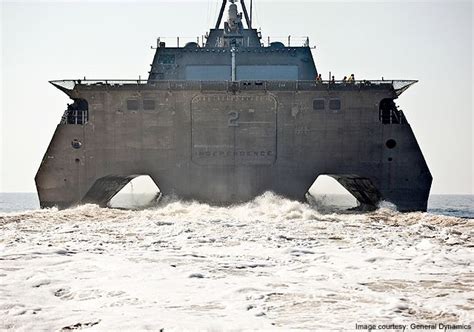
point(430, 41)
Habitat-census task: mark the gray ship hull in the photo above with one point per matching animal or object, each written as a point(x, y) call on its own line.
point(228, 142)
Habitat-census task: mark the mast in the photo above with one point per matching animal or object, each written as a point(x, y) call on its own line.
point(251, 11)
point(221, 13)
point(247, 19)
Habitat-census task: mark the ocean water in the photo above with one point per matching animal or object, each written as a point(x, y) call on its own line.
point(271, 263)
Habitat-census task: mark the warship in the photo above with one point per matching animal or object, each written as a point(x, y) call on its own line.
point(226, 118)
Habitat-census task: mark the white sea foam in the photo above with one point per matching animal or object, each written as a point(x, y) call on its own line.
point(268, 263)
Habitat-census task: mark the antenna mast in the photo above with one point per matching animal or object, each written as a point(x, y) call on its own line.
point(247, 19)
point(251, 11)
point(219, 19)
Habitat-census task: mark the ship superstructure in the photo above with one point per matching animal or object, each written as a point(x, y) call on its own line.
point(228, 118)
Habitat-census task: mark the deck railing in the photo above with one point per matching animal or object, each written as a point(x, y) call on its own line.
point(201, 41)
point(75, 117)
point(398, 85)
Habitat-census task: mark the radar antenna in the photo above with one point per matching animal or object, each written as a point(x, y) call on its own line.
point(244, 8)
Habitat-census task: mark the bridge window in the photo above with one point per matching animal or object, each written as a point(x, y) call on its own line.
point(334, 104)
point(166, 59)
point(208, 73)
point(148, 104)
point(267, 72)
point(319, 105)
point(132, 105)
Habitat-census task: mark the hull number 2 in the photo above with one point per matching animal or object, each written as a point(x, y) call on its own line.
point(233, 119)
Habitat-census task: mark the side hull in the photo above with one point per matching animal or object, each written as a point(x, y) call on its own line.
point(228, 147)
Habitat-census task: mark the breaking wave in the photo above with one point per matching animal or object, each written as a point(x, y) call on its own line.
point(268, 207)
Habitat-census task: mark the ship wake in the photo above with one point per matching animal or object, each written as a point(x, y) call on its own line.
point(266, 263)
